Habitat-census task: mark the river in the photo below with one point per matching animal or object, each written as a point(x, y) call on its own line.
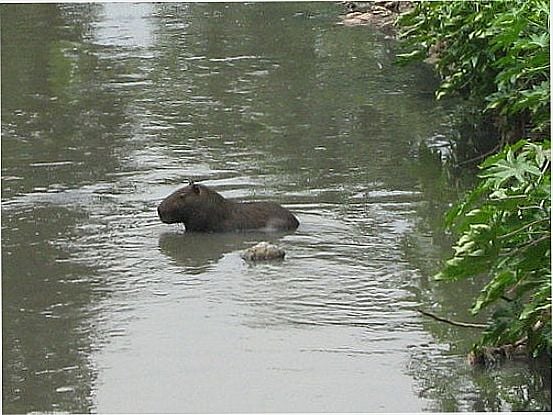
point(107, 108)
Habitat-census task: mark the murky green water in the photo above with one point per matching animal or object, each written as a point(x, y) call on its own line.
point(107, 108)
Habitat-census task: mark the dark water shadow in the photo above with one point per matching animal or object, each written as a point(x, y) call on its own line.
point(197, 252)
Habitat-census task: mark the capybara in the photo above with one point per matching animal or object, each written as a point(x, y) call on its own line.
point(202, 209)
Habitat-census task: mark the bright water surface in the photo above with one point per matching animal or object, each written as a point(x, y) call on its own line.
point(107, 108)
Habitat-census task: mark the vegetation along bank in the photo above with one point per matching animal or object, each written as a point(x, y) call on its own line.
point(494, 55)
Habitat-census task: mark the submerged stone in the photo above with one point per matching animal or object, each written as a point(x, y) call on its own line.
point(263, 251)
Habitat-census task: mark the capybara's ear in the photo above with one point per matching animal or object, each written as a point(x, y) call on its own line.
point(195, 188)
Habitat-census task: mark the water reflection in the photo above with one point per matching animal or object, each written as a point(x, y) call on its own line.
point(189, 253)
point(44, 294)
point(125, 27)
point(107, 108)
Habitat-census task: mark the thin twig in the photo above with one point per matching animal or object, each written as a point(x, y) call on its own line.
point(452, 322)
point(528, 225)
point(480, 157)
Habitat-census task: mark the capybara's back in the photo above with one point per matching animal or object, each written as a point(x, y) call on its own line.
point(202, 209)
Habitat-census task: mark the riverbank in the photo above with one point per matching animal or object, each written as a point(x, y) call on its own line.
point(380, 14)
point(495, 57)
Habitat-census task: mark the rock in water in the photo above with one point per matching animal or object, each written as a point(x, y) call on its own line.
point(263, 251)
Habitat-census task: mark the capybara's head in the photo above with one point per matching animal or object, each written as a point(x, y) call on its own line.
point(194, 205)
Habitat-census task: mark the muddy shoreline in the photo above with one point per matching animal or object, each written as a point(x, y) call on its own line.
point(381, 15)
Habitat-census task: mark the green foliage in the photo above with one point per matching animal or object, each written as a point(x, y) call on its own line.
point(504, 230)
point(496, 53)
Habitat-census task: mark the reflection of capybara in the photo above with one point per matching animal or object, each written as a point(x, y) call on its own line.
point(204, 210)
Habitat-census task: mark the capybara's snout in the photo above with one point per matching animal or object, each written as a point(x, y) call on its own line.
point(164, 213)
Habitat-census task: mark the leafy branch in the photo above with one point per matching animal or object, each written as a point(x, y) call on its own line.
point(504, 228)
point(494, 53)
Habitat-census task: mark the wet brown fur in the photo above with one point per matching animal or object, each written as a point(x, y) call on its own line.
point(202, 209)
